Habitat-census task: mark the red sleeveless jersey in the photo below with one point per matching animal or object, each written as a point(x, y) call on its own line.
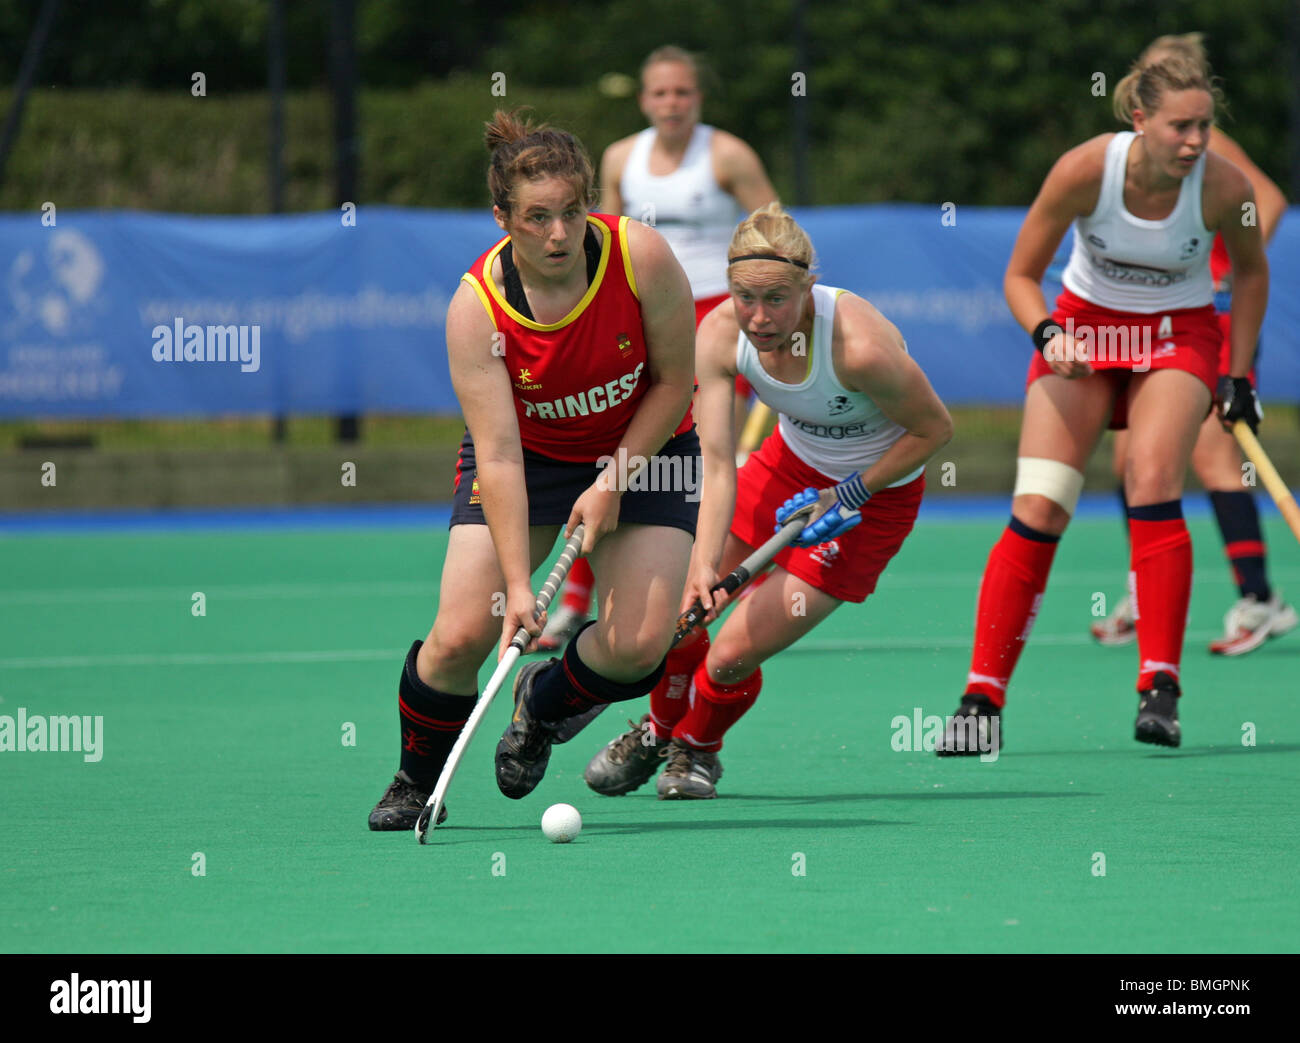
point(1220, 265)
point(577, 382)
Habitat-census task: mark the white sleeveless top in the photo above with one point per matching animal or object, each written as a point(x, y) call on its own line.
point(831, 429)
point(686, 207)
point(1130, 264)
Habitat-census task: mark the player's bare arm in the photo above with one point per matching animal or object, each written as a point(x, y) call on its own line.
point(740, 172)
point(715, 371)
point(1070, 190)
point(482, 386)
point(612, 164)
point(1269, 198)
point(871, 358)
point(1228, 201)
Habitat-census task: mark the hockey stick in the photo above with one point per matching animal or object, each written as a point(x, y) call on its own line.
point(1268, 473)
point(429, 816)
point(742, 573)
point(752, 434)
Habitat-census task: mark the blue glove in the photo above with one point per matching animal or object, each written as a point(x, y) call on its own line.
point(838, 519)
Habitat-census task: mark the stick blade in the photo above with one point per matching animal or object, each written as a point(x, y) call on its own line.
point(429, 816)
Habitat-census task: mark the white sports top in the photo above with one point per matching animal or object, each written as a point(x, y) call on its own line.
point(831, 429)
point(1130, 264)
point(686, 207)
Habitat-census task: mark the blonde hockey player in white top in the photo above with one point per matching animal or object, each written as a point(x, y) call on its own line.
point(817, 356)
point(1079, 385)
point(832, 428)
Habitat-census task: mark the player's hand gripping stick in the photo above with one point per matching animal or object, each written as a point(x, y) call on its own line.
point(842, 515)
point(741, 574)
point(1238, 401)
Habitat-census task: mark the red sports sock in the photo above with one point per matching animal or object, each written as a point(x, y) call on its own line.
point(715, 708)
point(668, 699)
point(1161, 584)
point(1014, 580)
point(577, 588)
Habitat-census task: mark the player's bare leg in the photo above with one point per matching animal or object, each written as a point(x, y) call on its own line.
point(778, 613)
point(774, 615)
point(1118, 628)
point(640, 572)
point(439, 682)
point(1165, 411)
point(468, 623)
point(631, 759)
point(1063, 420)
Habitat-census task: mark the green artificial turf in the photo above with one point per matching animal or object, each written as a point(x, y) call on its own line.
point(224, 737)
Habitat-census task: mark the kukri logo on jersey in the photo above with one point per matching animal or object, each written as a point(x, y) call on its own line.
point(526, 382)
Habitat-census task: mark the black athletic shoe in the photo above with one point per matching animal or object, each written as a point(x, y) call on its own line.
point(974, 730)
point(1157, 720)
point(525, 747)
point(627, 762)
point(400, 807)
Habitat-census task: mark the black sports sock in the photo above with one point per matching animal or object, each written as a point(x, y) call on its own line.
point(431, 721)
point(1243, 540)
point(1028, 533)
point(571, 687)
point(1123, 507)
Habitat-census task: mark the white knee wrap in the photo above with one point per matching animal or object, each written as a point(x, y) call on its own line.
point(1059, 482)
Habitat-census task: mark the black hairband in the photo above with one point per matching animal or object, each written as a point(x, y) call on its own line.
point(769, 257)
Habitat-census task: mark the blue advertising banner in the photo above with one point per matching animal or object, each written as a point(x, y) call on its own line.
point(123, 314)
point(941, 284)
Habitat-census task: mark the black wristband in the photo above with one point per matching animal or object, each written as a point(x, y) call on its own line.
point(1044, 332)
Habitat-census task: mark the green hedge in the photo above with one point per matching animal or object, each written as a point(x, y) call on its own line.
point(908, 100)
point(170, 151)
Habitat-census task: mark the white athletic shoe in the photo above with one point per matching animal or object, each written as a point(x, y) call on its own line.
point(560, 628)
point(1249, 623)
point(1118, 628)
point(689, 774)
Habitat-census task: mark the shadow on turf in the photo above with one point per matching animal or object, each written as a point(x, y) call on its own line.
point(631, 828)
point(832, 798)
point(806, 823)
point(685, 823)
point(1223, 751)
point(1292, 649)
point(1167, 753)
point(469, 834)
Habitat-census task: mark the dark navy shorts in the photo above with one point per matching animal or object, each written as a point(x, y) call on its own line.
point(667, 492)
